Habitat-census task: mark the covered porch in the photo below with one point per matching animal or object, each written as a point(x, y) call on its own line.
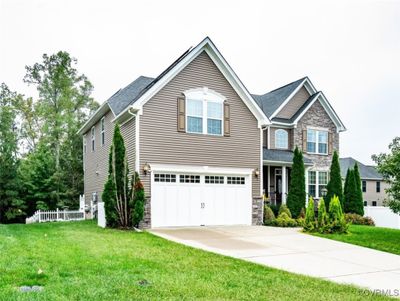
point(277, 169)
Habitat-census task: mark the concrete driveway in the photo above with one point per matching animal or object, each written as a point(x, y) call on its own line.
point(289, 249)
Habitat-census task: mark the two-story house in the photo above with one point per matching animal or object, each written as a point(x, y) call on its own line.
point(373, 184)
point(205, 148)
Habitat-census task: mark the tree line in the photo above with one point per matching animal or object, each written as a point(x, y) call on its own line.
point(40, 151)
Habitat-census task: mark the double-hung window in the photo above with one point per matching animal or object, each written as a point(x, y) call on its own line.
point(204, 112)
point(364, 186)
point(317, 181)
point(378, 186)
point(93, 138)
point(103, 137)
point(317, 142)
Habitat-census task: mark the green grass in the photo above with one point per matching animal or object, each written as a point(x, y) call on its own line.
point(83, 262)
point(382, 239)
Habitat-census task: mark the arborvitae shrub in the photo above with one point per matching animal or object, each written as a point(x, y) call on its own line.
point(269, 216)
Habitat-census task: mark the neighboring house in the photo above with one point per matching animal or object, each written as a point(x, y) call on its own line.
point(205, 148)
point(372, 182)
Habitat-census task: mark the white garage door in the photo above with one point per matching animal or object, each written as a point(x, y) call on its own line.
point(190, 199)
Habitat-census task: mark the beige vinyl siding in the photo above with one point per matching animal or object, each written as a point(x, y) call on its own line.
point(98, 160)
point(161, 143)
point(371, 194)
point(294, 104)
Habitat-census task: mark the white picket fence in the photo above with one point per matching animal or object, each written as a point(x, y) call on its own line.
point(383, 216)
point(56, 216)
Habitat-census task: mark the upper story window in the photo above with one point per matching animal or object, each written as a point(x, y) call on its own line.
point(317, 141)
point(281, 139)
point(378, 186)
point(93, 137)
point(204, 113)
point(103, 135)
point(364, 186)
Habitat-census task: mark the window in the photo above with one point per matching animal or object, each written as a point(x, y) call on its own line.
point(93, 137)
point(103, 138)
point(365, 203)
point(374, 203)
point(167, 178)
point(364, 186)
point(195, 116)
point(322, 182)
point(236, 180)
point(214, 118)
point(204, 112)
point(312, 183)
point(189, 179)
point(214, 179)
point(317, 141)
point(317, 181)
point(281, 139)
point(378, 186)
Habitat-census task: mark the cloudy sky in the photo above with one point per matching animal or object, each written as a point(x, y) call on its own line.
point(349, 49)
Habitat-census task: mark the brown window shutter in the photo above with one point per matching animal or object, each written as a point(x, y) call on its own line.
point(304, 141)
point(330, 143)
point(181, 114)
point(227, 120)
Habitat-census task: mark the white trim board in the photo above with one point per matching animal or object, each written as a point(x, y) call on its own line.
point(200, 169)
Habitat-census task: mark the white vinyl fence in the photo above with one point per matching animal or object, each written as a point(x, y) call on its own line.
point(101, 215)
point(383, 217)
point(56, 216)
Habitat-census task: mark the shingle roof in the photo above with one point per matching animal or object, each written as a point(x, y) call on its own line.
point(128, 95)
point(277, 155)
point(366, 172)
point(271, 101)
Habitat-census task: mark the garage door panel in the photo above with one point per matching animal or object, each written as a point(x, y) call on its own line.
point(195, 204)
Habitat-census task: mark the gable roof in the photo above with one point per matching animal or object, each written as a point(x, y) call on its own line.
point(271, 101)
point(366, 172)
point(204, 46)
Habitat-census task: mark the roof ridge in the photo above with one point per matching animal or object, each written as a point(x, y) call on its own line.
point(301, 79)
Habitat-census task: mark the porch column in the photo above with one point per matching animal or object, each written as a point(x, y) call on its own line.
point(269, 181)
point(284, 190)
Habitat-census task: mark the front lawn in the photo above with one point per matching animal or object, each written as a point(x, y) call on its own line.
point(79, 261)
point(383, 239)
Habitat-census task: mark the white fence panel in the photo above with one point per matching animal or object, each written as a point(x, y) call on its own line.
point(383, 216)
point(101, 215)
point(55, 216)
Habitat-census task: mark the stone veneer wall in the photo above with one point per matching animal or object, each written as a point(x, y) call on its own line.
point(257, 214)
point(316, 116)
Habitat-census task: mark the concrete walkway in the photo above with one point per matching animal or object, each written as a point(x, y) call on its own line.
point(289, 249)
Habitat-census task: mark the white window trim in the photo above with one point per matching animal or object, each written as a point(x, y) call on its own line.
point(93, 139)
point(287, 138)
point(206, 96)
point(103, 131)
point(317, 131)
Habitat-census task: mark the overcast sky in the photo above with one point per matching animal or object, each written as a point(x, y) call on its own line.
point(349, 49)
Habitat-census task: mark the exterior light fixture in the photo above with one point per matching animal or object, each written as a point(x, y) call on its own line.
point(324, 192)
point(146, 168)
point(257, 172)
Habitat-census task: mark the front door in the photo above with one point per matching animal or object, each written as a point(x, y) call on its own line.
point(278, 185)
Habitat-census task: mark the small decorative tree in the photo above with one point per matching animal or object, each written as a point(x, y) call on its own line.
point(334, 186)
point(297, 190)
point(336, 217)
point(323, 221)
point(116, 193)
point(269, 216)
point(346, 188)
point(310, 216)
point(137, 192)
point(358, 202)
